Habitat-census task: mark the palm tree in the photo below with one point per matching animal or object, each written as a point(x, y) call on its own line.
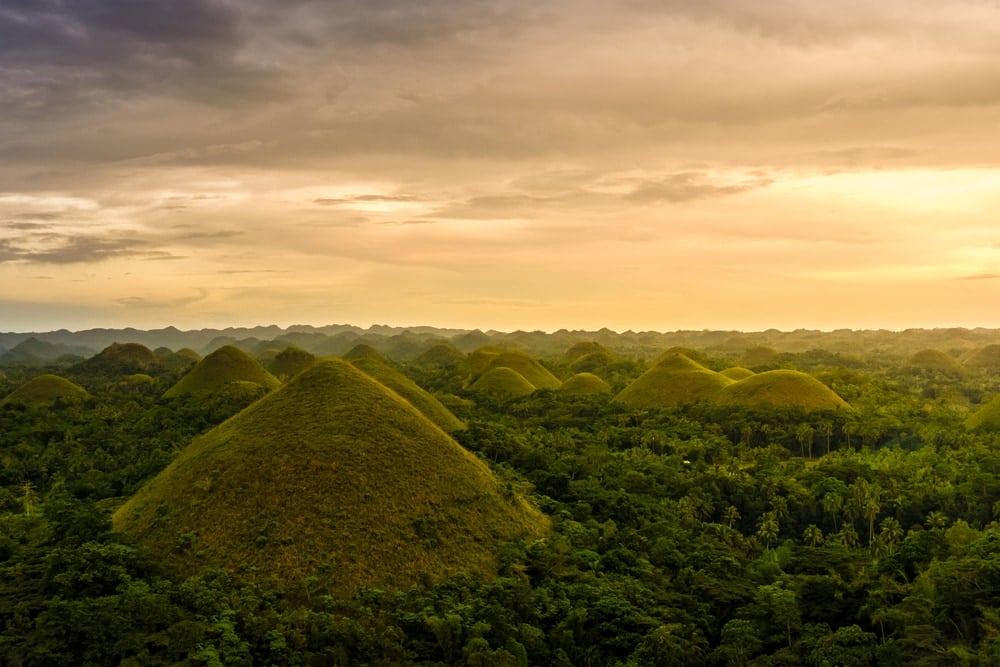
point(731, 516)
point(891, 533)
point(767, 528)
point(832, 504)
point(804, 434)
point(812, 535)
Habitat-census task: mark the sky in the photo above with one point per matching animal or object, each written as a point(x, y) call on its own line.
point(630, 164)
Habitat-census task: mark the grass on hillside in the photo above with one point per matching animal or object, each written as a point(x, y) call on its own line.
point(421, 399)
point(584, 384)
point(331, 483)
point(502, 383)
point(936, 360)
point(528, 368)
point(223, 367)
point(986, 418)
point(781, 388)
point(737, 373)
point(46, 390)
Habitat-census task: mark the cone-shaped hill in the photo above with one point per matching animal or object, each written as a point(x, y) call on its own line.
point(179, 360)
point(737, 373)
point(220, 370)
point(986, 418)
point(674, 380)
point(580, 350)
point(528, 368)
point(120, 359)
point(502, 383)
point(290, 362)
point(936, 361)
point(372, 363)
point(985, 359)
point(45, 391)
point(584, 384)
point(332, 476)
point(480, 360)
point(442, 355)
point(781, 388)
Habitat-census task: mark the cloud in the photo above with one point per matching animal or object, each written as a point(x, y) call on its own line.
point(689, 186)
point(53, 248)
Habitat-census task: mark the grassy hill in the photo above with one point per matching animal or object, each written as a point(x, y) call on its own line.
point(759, 356)
point(986, 418)
point(674, 380)
point(378, 368)
point(333, 476)
point(479, 361)
point(44, 391)
point(528, 368)
point(502, 383)
point(737, 373)
point(120, 359)
point(984, 359)
point(226, 366)
point(937, 361)
point(579, 350)
point(781, 388)
point(290, 362)
point(584, 384)
point(442, 355)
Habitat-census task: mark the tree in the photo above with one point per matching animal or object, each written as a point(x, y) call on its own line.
point(804, 434)
point(812, 535)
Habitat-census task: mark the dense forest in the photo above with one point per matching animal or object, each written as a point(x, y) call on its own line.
point(690, 532)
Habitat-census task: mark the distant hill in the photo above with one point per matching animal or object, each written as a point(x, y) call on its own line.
point(226, 366)
point(937, 361)
point(442, 355)
point(737, 373)
point(35, 352)
point(674, 380)
point(333, 477)
point(44, 391)
point(290, 362)
point(119, 359)
point(530, 369)
point(986, 418)
point(371, 362)
point(584, 384)
point(984, 359)
point(502, 383)
point(782, 388)
point(759, 356)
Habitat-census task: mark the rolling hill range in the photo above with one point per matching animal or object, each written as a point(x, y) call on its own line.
point(221, 369)
point(332, 476)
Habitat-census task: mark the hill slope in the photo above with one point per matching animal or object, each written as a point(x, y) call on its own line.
point(584, 384)
point(225, 367)
point(986, 418)
point(937, 361)
point(502, 383)
point(333, 476)
point(374, 365)
point(782, 388)
point(120, 359)
point(528, 368)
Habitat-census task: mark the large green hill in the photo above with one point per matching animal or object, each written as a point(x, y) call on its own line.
point(984, 359)
point(781, 388)
point(46, 390)
point(290, 362)
point(986, 418)
point(584, 384)
point(120, 359)
point(528, 368)
point(503, 384)
point(220, 370)
point(936, 361)
point(674, 380)
point(334, 477)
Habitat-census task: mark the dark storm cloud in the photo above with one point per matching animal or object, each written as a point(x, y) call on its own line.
point(59, 56)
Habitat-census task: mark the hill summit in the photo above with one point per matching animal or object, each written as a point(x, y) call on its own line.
point(44, 391)
point(675, 379)
point(225, 367)
point(333, 477)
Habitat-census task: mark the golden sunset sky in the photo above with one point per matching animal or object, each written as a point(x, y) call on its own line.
point(512, 165)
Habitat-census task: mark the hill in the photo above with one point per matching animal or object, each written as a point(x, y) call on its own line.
point(335, 477)
point(225, 367)
point(119, 359)
point(579, 350)
point(369, 361)
point(984, 359)
point(502, 383)
point(442, 355)
point(584, 384)
point(290, 362)
point(986, 418)
point(936, 361)
point(528, 368)
point(674, 380)
point(44, 391)
point(737, 373)
point(782, 388)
